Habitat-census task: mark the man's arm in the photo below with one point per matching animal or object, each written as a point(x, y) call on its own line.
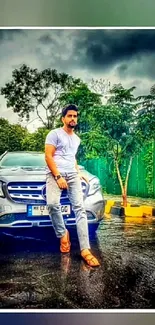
point(49, 153)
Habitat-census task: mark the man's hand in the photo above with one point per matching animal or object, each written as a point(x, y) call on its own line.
point(62, 183)
point(84, 177)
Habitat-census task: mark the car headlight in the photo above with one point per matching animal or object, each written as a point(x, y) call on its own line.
point(94, 186)
point(1, 190)
point(85, 187)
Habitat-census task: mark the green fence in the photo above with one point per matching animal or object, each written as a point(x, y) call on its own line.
point(141, 178)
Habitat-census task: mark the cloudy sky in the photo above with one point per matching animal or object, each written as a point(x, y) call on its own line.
point(126, 56)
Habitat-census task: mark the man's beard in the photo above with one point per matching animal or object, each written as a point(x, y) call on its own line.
point(71, 126)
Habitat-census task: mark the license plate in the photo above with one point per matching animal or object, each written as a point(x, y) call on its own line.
point(35, 210)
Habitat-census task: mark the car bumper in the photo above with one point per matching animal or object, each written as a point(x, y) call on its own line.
point(15, 215)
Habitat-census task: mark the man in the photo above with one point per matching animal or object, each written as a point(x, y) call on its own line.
point(61, 146)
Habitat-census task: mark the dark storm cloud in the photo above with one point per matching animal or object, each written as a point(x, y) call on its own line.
point(103, 49)
point(121, 55)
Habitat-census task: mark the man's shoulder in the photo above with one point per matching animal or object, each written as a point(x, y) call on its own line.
point(52, 136)
point(54, 131)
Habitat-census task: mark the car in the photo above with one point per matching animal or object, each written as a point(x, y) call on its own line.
point(23, 195)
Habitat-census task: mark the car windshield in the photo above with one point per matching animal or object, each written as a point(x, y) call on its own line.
point(23, 160)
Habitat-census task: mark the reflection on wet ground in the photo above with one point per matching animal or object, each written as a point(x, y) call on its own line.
point(33, 274)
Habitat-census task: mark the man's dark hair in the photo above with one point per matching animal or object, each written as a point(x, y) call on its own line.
point(70, 107)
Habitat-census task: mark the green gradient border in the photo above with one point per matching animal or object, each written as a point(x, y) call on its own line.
point(77, 13)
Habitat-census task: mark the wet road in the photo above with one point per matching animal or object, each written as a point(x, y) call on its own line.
point(33, 274)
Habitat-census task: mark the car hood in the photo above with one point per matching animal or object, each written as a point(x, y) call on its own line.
point(26, 173)
point(21, 171)
point(22, 174)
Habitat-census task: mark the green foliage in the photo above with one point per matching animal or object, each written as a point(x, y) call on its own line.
point(146, 117)
point(93, 145)
point(11, 136)
point(117, 122)
point(16, 138)
point(35, 141)
point(148, 159)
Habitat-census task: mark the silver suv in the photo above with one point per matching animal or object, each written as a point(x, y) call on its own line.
point(23, 194)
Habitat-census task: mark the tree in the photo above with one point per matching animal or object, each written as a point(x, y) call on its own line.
point(35, 141)
point(32, 91)
point(4, 126)
point(11, 136)
point(117, 130)
point(100, 86)
point(146, 114)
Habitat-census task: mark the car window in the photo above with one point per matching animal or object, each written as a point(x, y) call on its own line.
point(23, 160)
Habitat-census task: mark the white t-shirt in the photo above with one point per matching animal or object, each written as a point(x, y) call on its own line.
point(66, 148)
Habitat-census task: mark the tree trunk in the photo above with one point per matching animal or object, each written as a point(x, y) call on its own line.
point(124, 187)
point(126, 184)
point(119, 178)
point(124, 196)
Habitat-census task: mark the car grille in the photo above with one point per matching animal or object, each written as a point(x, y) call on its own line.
point(33, 192)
